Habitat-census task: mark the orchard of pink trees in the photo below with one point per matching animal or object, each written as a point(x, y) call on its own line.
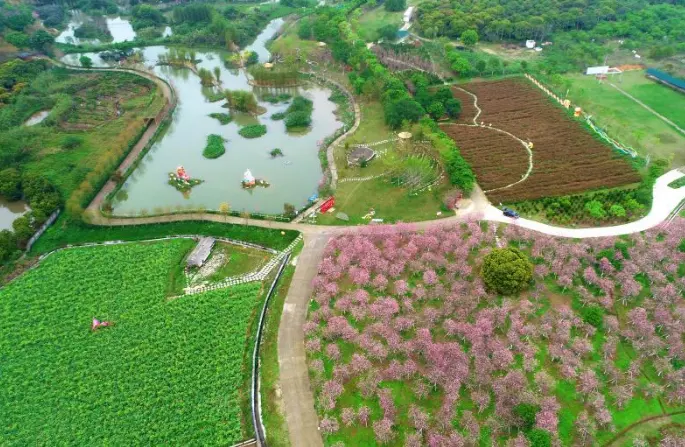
point(407, 347)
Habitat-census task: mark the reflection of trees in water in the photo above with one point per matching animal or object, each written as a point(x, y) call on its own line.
point(244, 119)
point(121, 196)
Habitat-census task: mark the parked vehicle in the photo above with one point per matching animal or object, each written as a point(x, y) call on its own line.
point(510, 213)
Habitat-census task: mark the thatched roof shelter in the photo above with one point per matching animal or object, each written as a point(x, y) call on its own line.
point(201, 252)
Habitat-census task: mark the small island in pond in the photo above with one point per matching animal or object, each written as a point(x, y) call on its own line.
point(249, 181)
point(182, 181)
point(215, 147)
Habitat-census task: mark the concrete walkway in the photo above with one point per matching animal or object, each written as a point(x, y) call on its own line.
point(298, 399)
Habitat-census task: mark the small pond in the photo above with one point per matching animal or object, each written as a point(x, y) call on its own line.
point(36, 118)
point(120, 29)
point(293, 177)
point(9, 211)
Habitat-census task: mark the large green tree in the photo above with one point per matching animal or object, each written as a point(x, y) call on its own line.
point(405, 109)
point(10, 184)
point(395, 5)
point(469, 37)
point(507, 271)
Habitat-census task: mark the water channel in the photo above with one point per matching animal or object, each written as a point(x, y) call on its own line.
point(9, 211)
point(293, 177)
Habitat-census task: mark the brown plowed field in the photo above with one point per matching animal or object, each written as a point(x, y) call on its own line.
point(468, 110)
point(498, 159)
point(566, 157)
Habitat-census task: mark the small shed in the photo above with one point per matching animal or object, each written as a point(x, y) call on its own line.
point(359, 155)
point(599, 70)
point(408, 14)
point(201, 252)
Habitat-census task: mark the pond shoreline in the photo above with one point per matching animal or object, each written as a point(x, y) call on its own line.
point(150, 135)
point(329, 173)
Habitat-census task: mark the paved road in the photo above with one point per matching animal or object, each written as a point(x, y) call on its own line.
point(666, 200)
point(298, 399)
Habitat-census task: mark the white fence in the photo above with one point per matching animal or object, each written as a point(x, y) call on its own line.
point(42, 229)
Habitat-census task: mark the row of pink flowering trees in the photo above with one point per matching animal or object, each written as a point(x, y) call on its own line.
point(407, 347)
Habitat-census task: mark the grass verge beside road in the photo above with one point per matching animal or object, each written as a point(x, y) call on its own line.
point(64, 233)
point(272, 407)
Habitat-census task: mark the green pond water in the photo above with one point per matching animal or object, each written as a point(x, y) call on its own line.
point(9, 211)
point(293, 177)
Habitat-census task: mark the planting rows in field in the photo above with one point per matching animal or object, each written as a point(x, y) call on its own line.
point(406, 347)
point(497, 159)
point(566, 158)
point(468, 109)
point(165, 373)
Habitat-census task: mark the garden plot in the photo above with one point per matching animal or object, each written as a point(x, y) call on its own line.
point(164, 372)
point(407, 347)
point(566, 157)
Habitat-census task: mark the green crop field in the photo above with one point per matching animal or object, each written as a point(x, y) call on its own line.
point(627, 121)
point(166, 372)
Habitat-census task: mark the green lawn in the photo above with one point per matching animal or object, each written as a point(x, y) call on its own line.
point(662, 99)
point(64, 232)
point(239, 260)
point(369, 20)
point(391, 203)
point(272, 405)
point(167, 372)
point(627, 121)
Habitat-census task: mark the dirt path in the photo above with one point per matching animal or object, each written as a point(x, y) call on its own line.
point(525, 176)
point(652, 111)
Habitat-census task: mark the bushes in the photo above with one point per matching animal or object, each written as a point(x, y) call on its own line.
point(10, 184)
point(299, 113)
point(297, 119)
point(241, 100)
point(614, 205)
point(223, 118)
point(593, 315)
point(278, 116)
point(395, 5)
point(215, 147)
point(507, 271)
point(405, 109)
point(457, 168)
point(525, 413)
point(276, 153)
point(252, 131)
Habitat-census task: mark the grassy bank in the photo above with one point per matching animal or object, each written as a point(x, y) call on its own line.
point(64, 233)
point(272, 406)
